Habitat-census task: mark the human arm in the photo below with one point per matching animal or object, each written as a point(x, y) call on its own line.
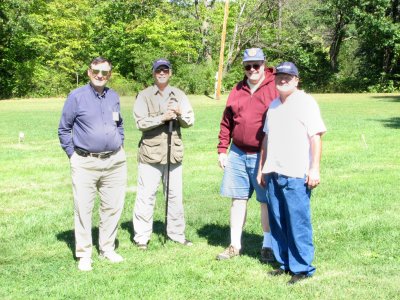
point(65, 126)
point(120, 123)
point(313, 176)
point(182, 109)
point(144, 120)
point(224, 136)
point(226, 128)
point(263, 158)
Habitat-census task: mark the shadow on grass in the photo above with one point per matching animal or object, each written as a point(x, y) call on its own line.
point(391, 98)
point(209, 96)
point(219, 235)
point(158, 228)
point(69, 238)
point(391, 122)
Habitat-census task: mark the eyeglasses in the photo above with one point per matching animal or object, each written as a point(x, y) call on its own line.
point(165, 71)
point(102, 72)
point(255, 67)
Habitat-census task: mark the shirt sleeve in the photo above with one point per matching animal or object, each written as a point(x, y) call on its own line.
point(186, 119)
point(143, 120)
point(266, 128)
point(226, 128)
point(314, 122)
point(120, 123)
point(66, 124)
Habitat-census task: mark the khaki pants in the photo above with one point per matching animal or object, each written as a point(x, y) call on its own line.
point(149, 176)
point(108, 177)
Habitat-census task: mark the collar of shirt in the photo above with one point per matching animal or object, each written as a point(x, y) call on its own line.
point(165, 93)
point(103, 95)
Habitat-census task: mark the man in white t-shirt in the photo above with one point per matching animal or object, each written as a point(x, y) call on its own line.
point(289, 168)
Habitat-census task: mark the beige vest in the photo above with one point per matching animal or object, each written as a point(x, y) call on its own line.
point(153, 145)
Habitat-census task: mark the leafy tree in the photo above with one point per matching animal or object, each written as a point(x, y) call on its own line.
point(379, 34)
point(339, 45)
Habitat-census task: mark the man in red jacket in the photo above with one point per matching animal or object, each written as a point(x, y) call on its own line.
point(241, 129)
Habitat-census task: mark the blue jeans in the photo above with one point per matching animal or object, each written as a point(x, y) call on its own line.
point(240, 176)
point(290, 222)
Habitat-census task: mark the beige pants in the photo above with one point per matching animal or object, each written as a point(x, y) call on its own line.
point(108, 177)
point(149, 176)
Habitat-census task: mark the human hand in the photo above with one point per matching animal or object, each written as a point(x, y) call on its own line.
point(313, 178)
point(260, 179)
point(174, 107)
point(222, 158)
point(168, 115)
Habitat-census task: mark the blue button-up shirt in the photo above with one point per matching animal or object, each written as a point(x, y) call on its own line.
point(91, 121)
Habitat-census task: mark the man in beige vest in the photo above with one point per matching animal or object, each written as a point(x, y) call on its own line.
point(154, 108)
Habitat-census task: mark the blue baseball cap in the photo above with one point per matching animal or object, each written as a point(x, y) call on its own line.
point(253, 54)
point(161, 62)
point(287, 67)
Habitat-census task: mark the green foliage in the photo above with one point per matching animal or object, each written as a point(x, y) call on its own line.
point(195, 78)
point(123, 86)
point(339, 45)
point(368, 38)
point(379, 30)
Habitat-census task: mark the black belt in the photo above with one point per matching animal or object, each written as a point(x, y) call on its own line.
point(101, 155)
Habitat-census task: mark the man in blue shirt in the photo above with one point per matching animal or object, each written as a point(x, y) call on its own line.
point(91, 133)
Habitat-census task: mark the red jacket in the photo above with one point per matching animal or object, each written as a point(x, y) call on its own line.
point(244, 115)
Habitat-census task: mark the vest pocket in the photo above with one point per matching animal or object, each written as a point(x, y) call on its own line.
point(176, 150)
point(151, 151)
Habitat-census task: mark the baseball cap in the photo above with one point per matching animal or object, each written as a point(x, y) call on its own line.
point(287, 68)
point(253, 54)
point(161, 62)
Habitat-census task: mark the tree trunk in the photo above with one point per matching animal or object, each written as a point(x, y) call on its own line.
point(337, 40)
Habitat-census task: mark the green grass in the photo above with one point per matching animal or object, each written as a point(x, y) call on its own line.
point(355, 213)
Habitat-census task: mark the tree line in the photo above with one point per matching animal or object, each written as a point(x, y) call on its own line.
point(338, 45)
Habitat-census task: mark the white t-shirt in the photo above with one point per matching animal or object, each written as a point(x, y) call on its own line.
point(289, 126)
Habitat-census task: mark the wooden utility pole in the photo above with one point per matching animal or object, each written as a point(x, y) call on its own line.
point(221, 53)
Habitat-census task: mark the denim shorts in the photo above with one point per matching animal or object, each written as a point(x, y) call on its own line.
point(240, 176)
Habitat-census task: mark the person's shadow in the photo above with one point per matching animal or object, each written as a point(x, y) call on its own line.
point(215, 234)
point(69, 238)
point(158, 228)
point(219, 235)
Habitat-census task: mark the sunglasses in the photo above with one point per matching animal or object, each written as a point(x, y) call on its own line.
point(102, 72)
point(165, 71)
point(255, 67)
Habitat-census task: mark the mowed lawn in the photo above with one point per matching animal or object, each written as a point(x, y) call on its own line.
point(355, 212)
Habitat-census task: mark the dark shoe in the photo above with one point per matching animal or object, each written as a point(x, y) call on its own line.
point(278, 272)
point(142, 247)
point(296, 278)
point(267, 255)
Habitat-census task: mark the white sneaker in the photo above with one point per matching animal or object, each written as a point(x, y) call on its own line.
point(112, 256)
point(85, 264)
